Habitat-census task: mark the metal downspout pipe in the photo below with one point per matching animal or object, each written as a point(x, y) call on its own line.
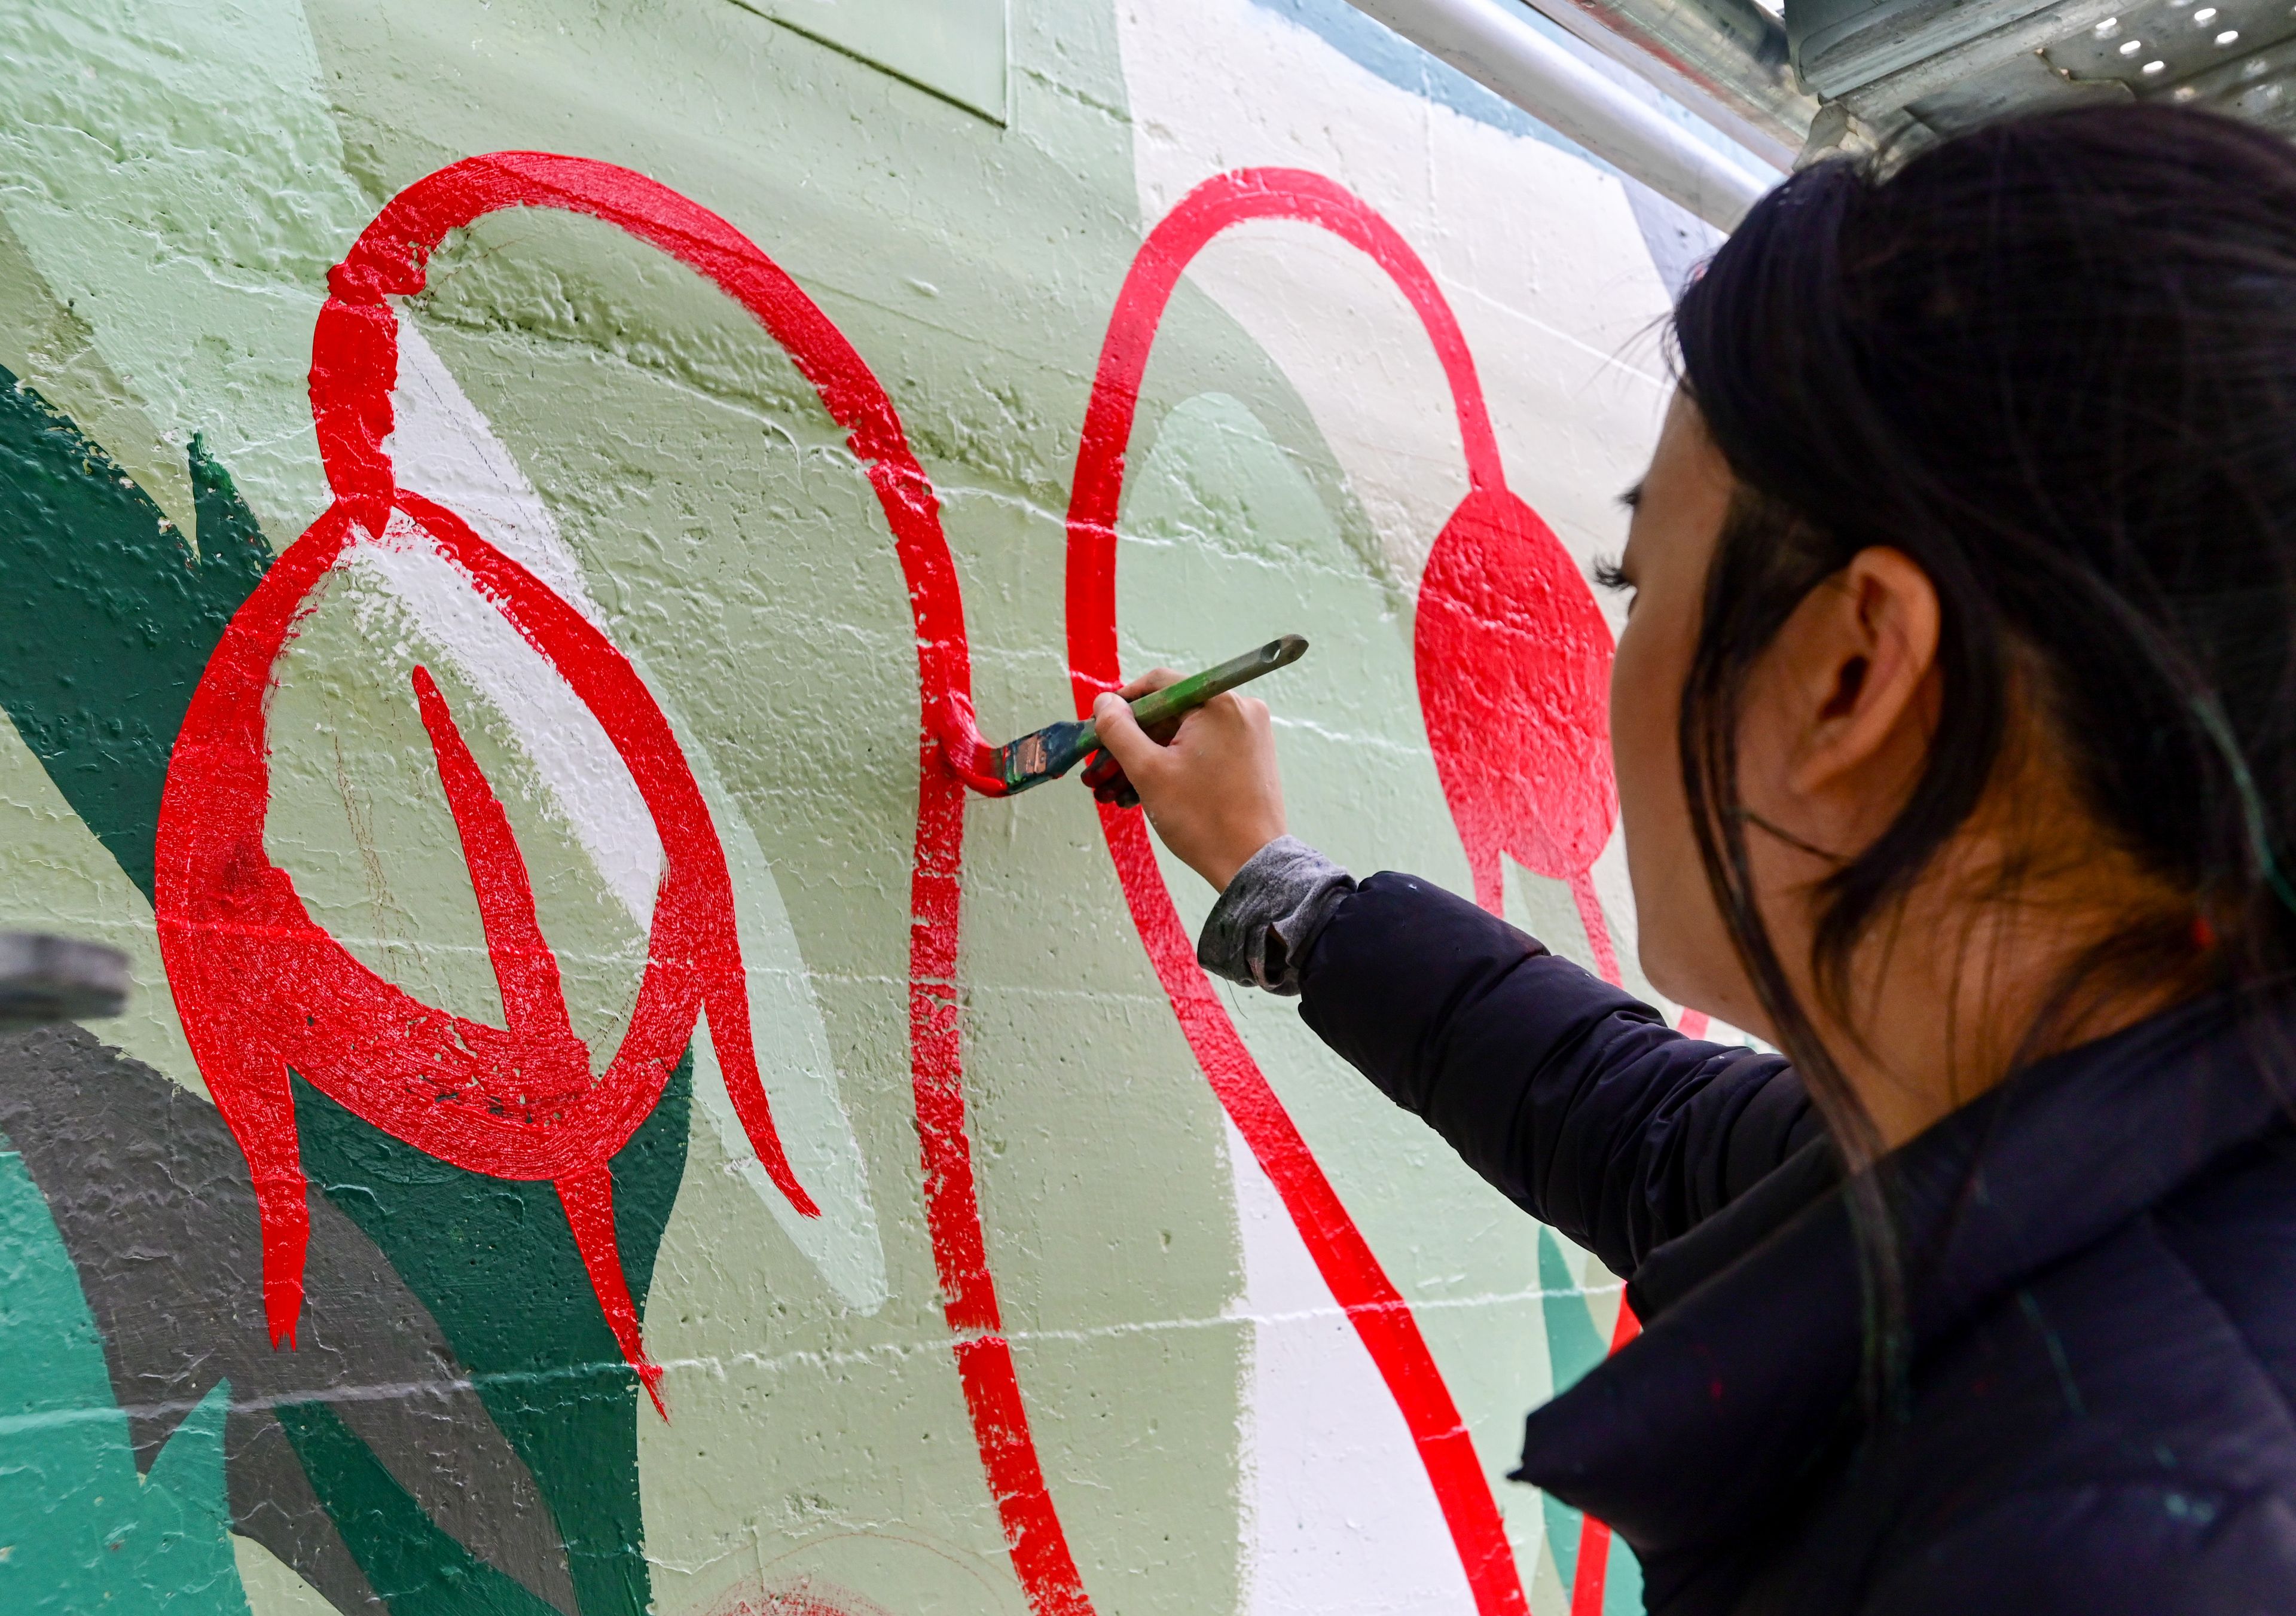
point(1493, 43)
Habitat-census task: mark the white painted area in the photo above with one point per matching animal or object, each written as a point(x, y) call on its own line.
point(1337, 1518)
point(1538, 252)
point(187, 201)
point(442, 447)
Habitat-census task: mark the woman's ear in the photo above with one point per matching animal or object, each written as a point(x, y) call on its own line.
point(1855, 684)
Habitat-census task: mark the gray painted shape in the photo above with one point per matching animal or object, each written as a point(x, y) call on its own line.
point(1679, 242)
point(151, 1195)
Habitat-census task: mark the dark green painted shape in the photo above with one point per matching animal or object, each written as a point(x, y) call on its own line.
point(108, 617)
point(494, 1261)
point(417, 1569)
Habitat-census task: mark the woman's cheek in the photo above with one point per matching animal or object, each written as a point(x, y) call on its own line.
point(1641, 733)
point(1672, 903)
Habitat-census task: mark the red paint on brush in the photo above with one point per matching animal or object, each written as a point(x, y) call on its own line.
point(1492, 517)
point(261, 988)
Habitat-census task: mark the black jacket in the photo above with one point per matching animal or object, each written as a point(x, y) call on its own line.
point(2099, 1415)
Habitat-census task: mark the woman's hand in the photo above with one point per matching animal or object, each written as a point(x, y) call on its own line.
point(1212, 789)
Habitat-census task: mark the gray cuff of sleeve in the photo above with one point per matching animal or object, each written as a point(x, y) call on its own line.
point(1271, 915)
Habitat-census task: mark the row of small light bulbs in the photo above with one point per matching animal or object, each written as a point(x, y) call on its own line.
point(2202, 18)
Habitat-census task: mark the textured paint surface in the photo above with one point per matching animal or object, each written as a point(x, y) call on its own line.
point(572, 959)
point(84, 1529)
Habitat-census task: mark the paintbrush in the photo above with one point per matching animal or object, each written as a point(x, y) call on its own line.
point(1050, 752)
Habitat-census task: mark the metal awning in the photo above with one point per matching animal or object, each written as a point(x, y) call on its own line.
point(1765, 90)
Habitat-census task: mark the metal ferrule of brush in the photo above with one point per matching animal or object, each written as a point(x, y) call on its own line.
point(1046, 754)
point(1050, 752)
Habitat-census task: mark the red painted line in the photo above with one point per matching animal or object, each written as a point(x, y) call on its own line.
point(1598, 926)
point(588, 1199)
point(544, 1066)
point(1382, 1319)
point(260, 986)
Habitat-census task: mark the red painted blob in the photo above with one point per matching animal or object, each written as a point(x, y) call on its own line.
point(1514, 670)
point(262, 988)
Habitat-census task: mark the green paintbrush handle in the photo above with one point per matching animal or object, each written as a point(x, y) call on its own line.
point(1162, 705)
point(1050, 752)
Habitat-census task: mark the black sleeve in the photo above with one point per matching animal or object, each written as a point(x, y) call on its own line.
point(1571, 1096)
point(2103, 1550)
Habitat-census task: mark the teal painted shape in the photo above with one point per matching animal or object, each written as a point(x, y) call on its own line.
point(81, 1531)
point(494, 1261)
point(109, 617)
point(414, 1566)
point(1622, 1594)
point(1573, 1347)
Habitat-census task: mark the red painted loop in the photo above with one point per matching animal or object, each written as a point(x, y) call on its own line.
point(1382, 1319)
point(1246, 194)
point(355, 356)
point(255, 980)
point(1516, 703)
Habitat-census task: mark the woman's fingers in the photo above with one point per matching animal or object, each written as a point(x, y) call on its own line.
point(1120, 732)
point(1155, 678)
point(1213, 792)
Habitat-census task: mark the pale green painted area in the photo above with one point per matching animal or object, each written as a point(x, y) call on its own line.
point(952, 47)
point(81, 1531)
point(60, 878)
point(47, 344)
point(172, 170)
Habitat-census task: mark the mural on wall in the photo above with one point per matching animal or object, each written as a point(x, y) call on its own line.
point(514, 925)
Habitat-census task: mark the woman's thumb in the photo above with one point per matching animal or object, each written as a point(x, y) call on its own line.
point(1120, 732)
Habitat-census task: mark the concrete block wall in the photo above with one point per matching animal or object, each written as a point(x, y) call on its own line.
point(608, 1122)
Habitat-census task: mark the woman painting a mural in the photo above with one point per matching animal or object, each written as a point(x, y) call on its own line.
point(1957, 756)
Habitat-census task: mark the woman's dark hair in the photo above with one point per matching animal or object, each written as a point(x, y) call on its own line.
point(2053, 362)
